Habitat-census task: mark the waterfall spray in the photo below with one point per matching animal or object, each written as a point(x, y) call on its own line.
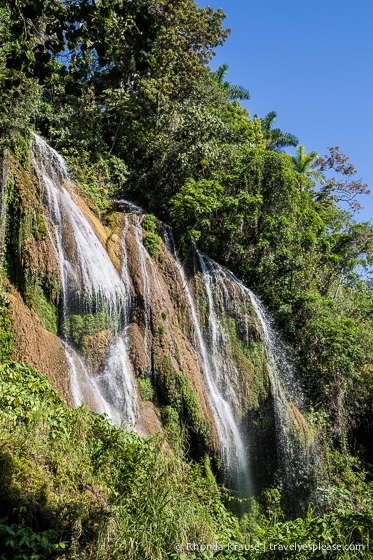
point(92, 291)
point(233, 449)
point(3, 181)
point(297, 455)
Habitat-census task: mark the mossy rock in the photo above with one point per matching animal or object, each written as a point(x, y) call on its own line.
point(29, 257)
point(175, 391)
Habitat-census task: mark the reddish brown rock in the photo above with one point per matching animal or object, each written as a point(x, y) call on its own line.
point(39, 348)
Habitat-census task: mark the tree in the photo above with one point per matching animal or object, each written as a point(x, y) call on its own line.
point(19, 93)
point(87, 37)
point(344, 191)
point(233, 91)
point(184, 45)
point(275, 138)
point(304, 165)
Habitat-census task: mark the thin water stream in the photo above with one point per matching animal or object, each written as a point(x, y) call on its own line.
point(297, 456)
point(92, 293)
point(233, 449)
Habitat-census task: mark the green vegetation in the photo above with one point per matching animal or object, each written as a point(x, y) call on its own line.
point(161, 329)
point(145, 383)
point(152, 243)
point(79, 482)
point(175, 392)
point(102, 179)
point(146, 389)
point(250, 361)
point(124, 91)
point(275, 138)
point(79, 485)
point(349, 532)
point(150, 223)
point(45, 309)
point(27, 251)
point(78, 326)
point(6, 327)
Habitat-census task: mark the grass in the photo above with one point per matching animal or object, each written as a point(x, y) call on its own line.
point(101, 491)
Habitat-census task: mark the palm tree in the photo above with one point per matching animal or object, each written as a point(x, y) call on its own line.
point(303, 164)
point(234, 92)
point(276, 139)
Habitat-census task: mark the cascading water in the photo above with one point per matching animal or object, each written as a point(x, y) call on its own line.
point(96, 307)
point(3, 182)
point(134, 216)
point(297, 456)
point(85, 266)
point(146, 285)
point(233, 449)
point(94, 296)
point(117, 385)
point(84, 387)
point(220, 347)
point(296, 450)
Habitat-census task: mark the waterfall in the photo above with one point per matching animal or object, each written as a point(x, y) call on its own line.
point(117, 384)
point(85, 266)
point(94, 296)
point(235, 345)
point(125, 272)
point(219, 303)
point(233, 449)
point(142, 256)
point(3, 204)
point(296, 450)
point(296, 453)
point(134, 216)
point(84, 387)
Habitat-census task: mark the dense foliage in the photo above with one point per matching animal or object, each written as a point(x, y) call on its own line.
point(75, 486)
point(123, 90)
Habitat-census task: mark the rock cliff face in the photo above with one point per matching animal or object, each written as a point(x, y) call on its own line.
point(38, 347)
point(108, 312)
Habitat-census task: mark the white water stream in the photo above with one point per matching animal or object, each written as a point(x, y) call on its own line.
point(234, 451)
point(292, 434)
point(134, 216)
point(90, 285)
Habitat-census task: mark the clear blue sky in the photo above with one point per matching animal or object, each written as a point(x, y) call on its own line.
point(311, 62)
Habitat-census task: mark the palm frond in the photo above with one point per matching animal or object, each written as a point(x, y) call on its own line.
point(268, 120)
point(303, 163)
point(238, 92)
point(277, 139)
point(233, 91)
point(220, 73)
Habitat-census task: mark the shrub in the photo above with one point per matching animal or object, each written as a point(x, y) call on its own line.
point(6, 327)
point(149, 223)
point(146, 389)
point(152, 243)
point(161, 329)
point(91, 489)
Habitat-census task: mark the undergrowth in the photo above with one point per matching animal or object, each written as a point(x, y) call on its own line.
point(6, 327)
point(106, 492)
point(74, 486)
